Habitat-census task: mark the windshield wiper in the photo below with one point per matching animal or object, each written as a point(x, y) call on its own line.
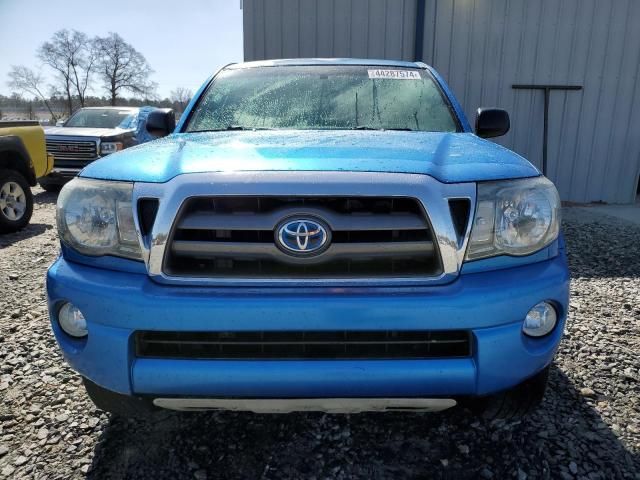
point(365, 127)
point(231, 128)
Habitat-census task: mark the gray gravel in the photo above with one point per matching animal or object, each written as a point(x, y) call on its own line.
point(589, 426)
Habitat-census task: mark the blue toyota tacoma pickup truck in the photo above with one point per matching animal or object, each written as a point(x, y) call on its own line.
point(314, 234)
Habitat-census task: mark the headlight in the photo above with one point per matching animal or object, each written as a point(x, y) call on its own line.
point(96, 218)
point(110, 147)
point(514, 217)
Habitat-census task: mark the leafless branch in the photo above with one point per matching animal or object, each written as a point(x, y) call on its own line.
point(26, 80)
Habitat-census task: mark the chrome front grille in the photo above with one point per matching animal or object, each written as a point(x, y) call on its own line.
point(443, 211)
point(235, 237)
point(69, 153)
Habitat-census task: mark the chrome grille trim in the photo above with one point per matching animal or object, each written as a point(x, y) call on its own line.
point(72, 152)
point(432, 195)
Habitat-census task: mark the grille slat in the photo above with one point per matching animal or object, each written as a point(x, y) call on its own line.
point(235, 237)
point(270, 251)
point(60, 147)
point(202, 220)
point(67, 163)
point(76, 150)
point(333, 345)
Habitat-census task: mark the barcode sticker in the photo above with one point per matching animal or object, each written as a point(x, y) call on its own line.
point(395, 74)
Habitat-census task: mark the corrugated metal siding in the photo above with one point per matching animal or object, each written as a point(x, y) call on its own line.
point(329, 28)
point(482, 47)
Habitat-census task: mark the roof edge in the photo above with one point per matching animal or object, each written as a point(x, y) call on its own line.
point(326, 61)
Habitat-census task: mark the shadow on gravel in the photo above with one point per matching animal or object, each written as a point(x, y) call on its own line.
point(31, 230)
point(565, 438)
point(44, 198)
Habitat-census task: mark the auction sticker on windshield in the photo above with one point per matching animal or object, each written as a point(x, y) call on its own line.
point(395, 74)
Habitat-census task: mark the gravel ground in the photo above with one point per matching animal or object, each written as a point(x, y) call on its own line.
point(588, 427)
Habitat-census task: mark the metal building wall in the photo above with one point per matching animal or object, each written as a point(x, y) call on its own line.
point(482, 47)
point(328, 28)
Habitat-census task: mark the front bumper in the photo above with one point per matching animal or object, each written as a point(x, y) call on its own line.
point(491, 304)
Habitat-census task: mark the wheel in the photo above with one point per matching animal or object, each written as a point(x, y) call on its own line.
point(117, 403)
point(16, 201)
point(51, 187)
point(515, 403)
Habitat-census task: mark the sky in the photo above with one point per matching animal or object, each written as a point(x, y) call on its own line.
point(184, 41)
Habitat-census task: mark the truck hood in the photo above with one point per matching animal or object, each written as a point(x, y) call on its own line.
point(448, 157)
point(83, 132)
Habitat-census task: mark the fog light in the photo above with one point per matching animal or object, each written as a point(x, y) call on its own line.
point(540, 320)
point(72, 321)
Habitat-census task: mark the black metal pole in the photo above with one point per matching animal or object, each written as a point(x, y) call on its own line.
point(547, 94)
point(545, 134)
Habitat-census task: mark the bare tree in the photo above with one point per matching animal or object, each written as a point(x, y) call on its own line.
point(26, 80)
point(122, 67)
point(181, 96)
point(71, 55)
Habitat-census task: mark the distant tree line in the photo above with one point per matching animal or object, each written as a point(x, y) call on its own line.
point(79, 63)
point(33, 108)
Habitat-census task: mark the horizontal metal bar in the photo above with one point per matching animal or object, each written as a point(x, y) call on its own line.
point(204, 220)
point(75, 147)
point(546, 87)
point(287, 405)
point(73, 155)
point(62, 150)
point(270, 251)
point(75, 150)
point(223, 249)
point(71, 144)
point(56, 153)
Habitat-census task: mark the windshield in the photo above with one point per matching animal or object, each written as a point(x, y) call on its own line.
point(323, 97)
point(102, 118)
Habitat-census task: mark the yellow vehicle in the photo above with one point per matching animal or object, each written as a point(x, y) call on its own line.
point(23, 159)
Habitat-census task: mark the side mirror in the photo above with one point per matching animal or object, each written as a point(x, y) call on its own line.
point(161, 122)
point(492, 122)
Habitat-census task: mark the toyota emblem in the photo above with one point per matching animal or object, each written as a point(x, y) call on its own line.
point(303, 236)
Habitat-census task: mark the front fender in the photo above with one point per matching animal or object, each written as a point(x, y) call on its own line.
point(15, 156)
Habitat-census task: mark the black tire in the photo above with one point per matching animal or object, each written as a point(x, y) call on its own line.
point(51, 187)
point(117, 403)
point(515, 403)
point(13, 218)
